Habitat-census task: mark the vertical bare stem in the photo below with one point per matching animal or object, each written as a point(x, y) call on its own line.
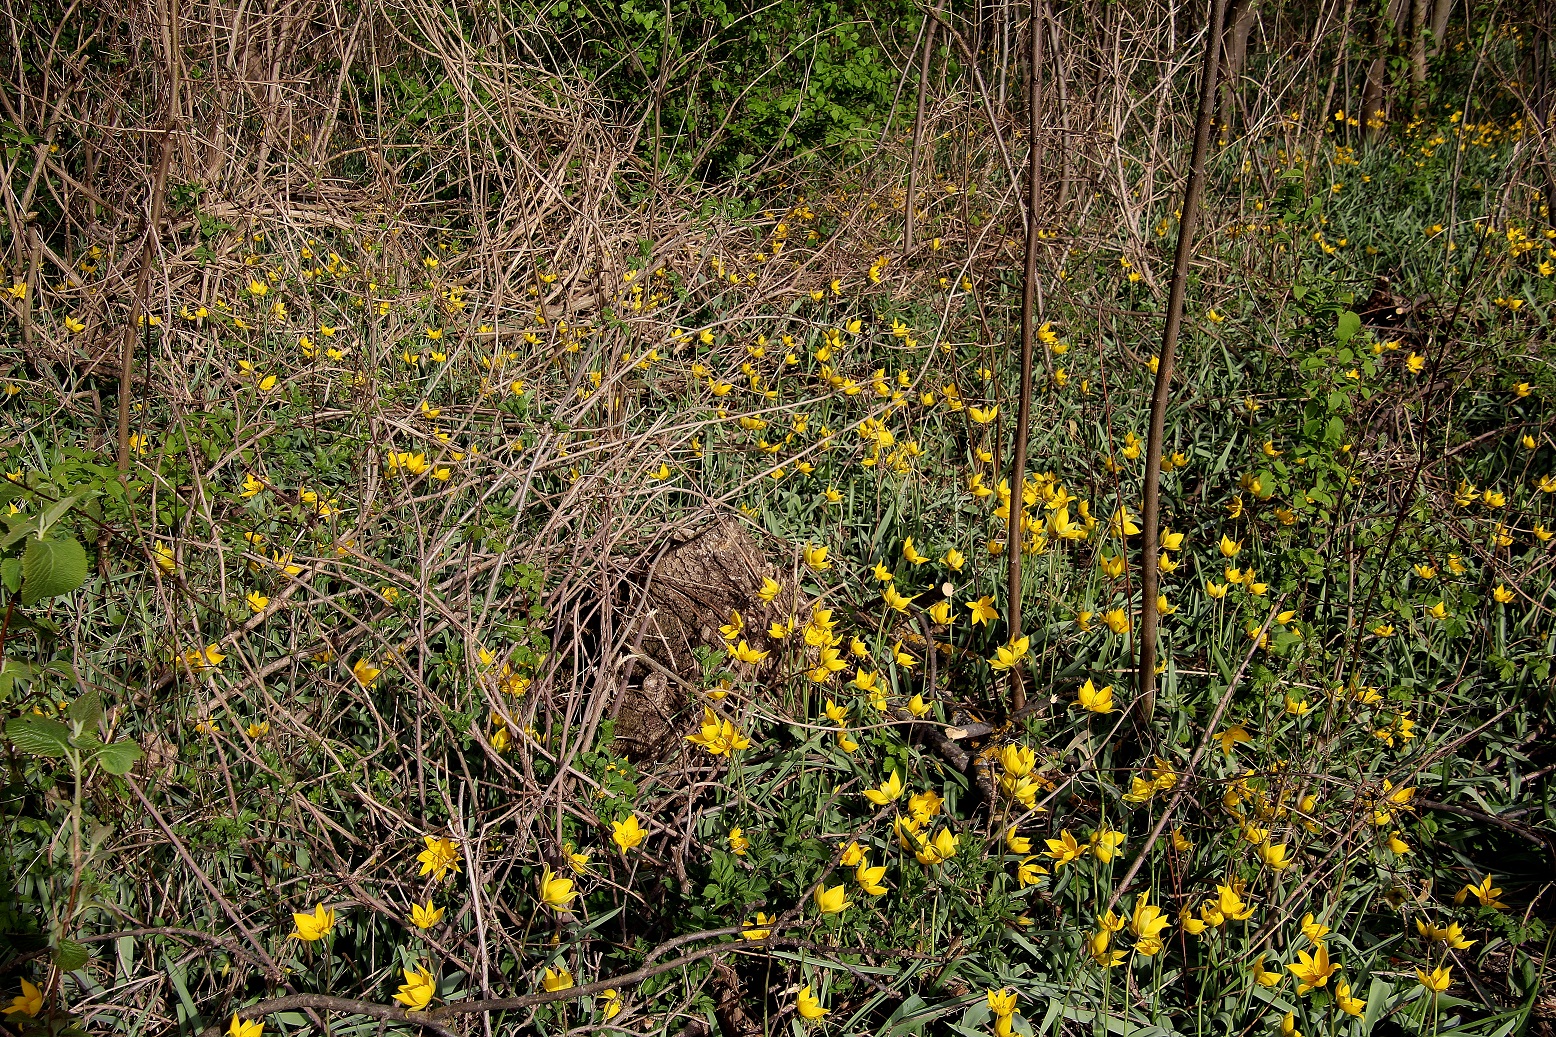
point(149, 237)
point(1151, 506)
point(918, 129)
point(1018, 456)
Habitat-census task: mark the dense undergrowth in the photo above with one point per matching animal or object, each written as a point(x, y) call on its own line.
point(317, 715)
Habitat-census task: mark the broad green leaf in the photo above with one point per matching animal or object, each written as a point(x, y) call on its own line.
point(1348, 325)
point(118, 757)
point(38, 736)
point(52, 566)
point(87, 710)
point(56, 511)
point(70, 955)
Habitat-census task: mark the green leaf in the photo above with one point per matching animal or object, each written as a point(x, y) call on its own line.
point(50, 567)
point(87, 710)
point(70, 955)
point(119, 757)
point(11, 574)
point(56, 511)
point(1348, 325)
point(38, 736)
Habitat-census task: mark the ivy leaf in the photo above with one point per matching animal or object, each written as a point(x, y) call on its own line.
point(52, 566)
point(118, 757)
point(38, 736)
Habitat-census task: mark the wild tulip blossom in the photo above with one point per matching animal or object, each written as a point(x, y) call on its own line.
point(1436, 981)
point(941, 848)
point(983, 610)
point(1007, 656)
point(719, 737)
point(30, 1002)
point(1105, 843)
point(1093, 699)
point(887, 791)
point(417, 991)
point(556, 892)
point(869, 878)
point(627, 834)
point(1018, 760)
point(439, 857)
point(1313, 970)
point(315, 926)
point(1065, 849)
point(831, 901)
point(244, 1027)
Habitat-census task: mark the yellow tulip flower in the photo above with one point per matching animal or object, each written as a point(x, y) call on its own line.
point(937, 850)
point(1094, 699)
point(1437, 981)
point(1105, 843)
point(242, 1027)
point(556, 892)
point(439, 857)
point(1313, 970)
point(1018, 761)
point(831, 901)
point(1123, 523)
point(748, 655)
point(983, 610)
point(30, 1002)
point(1263, 976)
point(888, 790)
point(365, 672)
point(1065, 849)
point(627, 834)
point(425, 917)
point(869, 878)
point(1273, 854)
point(315, 926)
point(806, 1003)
